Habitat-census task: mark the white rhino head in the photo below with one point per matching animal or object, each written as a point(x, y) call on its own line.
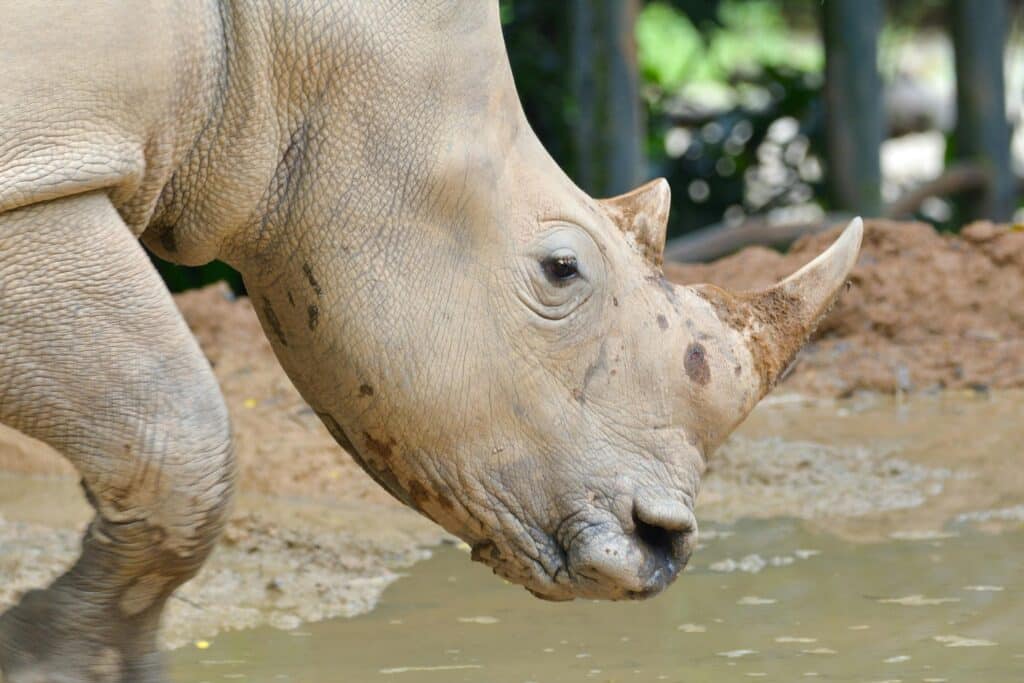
point(498, 349)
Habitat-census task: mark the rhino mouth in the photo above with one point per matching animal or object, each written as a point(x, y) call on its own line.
point(596, 556)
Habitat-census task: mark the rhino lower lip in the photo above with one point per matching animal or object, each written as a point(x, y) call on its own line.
point(592, 555)
point(660, 579)
point(548, 596)
point(646, 593)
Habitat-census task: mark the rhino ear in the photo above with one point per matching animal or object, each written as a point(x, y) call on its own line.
point(642, 214)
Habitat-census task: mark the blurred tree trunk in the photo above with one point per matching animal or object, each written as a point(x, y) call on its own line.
point(982, 131)
point(609, 125)
point(853, 102)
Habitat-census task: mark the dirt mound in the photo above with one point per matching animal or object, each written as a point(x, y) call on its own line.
point(925, 311)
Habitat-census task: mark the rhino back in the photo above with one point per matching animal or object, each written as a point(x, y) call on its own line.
point(102, 95)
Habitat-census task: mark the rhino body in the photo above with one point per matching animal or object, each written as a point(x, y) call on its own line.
point(499, 350)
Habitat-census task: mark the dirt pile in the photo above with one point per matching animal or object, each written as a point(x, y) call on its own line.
point(925, 311)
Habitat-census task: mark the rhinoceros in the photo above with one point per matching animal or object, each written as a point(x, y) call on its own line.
point(498, 350)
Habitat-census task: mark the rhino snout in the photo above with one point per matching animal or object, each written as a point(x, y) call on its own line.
point(639, 558)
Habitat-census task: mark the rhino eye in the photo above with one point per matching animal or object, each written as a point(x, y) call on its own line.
point(560, 268)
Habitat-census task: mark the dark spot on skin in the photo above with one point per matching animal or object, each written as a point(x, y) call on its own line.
point(387, 480)
point(291, 299)
point(378, 448)
point(169, 241)
point(365, 390)
point(696, 364)
point(738, 370)
point(615, 302)
point(307, 270)
point(484, 551)
point(419, 494)
point(272, 320)
point(662, 322)
point(780, 313)
point(445, 502)
point(313, 314)
point(384, 477)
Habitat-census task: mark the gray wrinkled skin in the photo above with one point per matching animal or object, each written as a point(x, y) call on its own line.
point(498, 349)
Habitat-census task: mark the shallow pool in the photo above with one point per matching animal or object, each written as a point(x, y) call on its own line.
point(768, 600)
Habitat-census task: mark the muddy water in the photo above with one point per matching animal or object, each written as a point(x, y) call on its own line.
point(871, 539)
point(867, 540)
point(765, 600)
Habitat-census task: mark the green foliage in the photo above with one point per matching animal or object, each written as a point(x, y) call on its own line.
point(742, 159)
point(180, 278)
point(669, 47)
point(674, 53)
point(713, 94)
point(776, 46)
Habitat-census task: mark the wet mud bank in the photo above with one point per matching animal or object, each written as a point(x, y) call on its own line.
point(875, 467)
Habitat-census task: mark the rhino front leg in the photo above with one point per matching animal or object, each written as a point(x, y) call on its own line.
point(96, 361)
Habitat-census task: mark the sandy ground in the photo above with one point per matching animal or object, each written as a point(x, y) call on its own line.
point(313, 537)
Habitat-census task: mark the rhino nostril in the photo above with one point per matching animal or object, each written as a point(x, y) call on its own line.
point(662, 541)
point(666, 527)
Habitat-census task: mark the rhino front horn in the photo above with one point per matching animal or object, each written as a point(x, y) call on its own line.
point(776, 322)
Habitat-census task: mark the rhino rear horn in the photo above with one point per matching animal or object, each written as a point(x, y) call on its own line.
point(642, 214)
point(776, 322)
